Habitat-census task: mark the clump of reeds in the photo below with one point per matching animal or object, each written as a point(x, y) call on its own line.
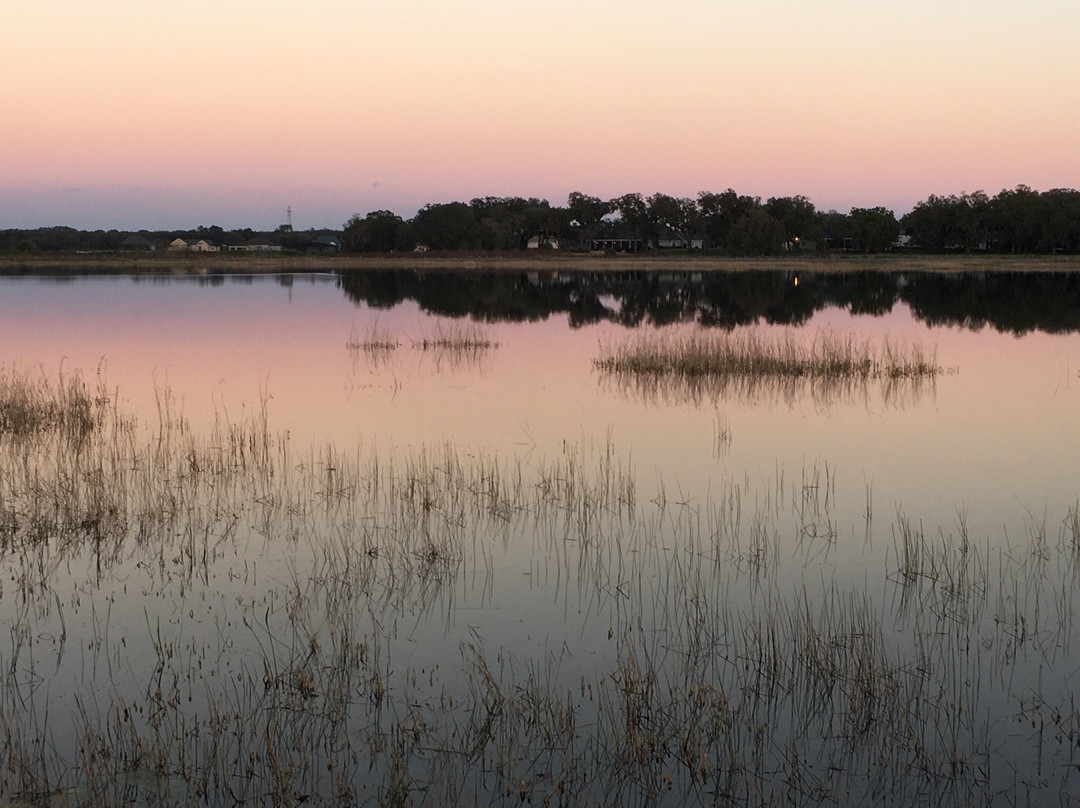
point(40, 405)
point(455, 337)
point(454, 344)
point(756, 354)
point(291, 680)
point(374, 340)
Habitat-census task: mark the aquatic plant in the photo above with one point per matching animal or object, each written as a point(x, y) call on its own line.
point(455, 337)
point(222, 617)
point(65, 406)
point(755, 354)
point(374, 339)
point(707, 366)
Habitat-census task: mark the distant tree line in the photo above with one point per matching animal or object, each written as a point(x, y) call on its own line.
point(725, 222)
point(1020, 220)
point(69, 239)
point(1015, 221)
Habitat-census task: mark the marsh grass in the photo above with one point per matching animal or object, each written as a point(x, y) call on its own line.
point(222, 618)
point(450, 345)
point(455, 337)
point(755, 354)
point(708, 365)
point(375, 339)
point(64, 405)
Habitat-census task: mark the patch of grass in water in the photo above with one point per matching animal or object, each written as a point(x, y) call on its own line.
point(754, 354)
point(456, 338)
point(374, 340)
point(34, 405)
point(719, 681)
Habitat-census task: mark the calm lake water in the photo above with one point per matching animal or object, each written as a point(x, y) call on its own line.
point(940, 513)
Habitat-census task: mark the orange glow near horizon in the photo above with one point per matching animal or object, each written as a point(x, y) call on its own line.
point(419, 104)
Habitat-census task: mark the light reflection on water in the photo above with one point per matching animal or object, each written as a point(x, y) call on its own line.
point(814, 491)
point(1000, 423)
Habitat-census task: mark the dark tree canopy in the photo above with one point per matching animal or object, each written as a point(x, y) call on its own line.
point(873, 229)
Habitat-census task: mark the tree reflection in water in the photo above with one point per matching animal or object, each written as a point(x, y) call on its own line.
point(1015, 302)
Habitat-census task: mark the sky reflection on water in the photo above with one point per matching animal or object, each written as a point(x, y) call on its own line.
point(986, 451)
point(998, 426)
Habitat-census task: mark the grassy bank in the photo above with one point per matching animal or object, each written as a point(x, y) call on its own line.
point(199, 263)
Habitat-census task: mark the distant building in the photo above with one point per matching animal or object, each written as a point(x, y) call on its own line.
point(670, 240)
point(325, 244)
point(256, 244)
point(193, 245)
point(616, 244)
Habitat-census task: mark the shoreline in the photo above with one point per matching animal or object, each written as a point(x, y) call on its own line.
point(216, 263)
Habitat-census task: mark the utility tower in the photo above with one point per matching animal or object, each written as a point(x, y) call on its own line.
point(287, 227)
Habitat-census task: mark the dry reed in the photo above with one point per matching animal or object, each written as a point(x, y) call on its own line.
point(219, 618)
point(756, 354)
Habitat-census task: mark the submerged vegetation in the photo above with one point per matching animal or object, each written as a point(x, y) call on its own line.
point(455, 337)
point(449, 338)
point(448, 344)
point(374, 340)
point(225, 618)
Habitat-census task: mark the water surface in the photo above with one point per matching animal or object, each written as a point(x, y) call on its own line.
point(749, 498)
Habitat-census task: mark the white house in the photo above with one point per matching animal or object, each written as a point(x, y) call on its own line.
point(193, 245)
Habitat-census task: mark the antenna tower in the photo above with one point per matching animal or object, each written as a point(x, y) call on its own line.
point(288, 218)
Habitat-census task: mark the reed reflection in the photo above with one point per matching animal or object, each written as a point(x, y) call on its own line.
point(825, 394)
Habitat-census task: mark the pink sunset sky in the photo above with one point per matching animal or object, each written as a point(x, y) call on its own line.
point(132, 114)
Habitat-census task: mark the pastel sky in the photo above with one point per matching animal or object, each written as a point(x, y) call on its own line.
point(148, 114)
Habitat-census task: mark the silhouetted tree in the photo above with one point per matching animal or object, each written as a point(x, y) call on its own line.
point(633, 217)
point(874, 229)
point(376, 232)
point(720, 212)
point(449, 226)
point(797, 216)
point(756, 233)
point(588, 212)
point(679, 215)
